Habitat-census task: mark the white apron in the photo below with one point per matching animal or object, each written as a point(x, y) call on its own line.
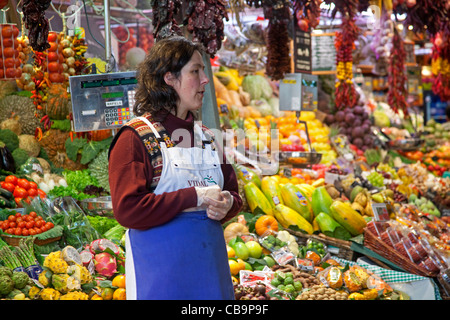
point(186, 257)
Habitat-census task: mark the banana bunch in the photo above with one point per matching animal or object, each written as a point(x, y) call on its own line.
point(362, 202)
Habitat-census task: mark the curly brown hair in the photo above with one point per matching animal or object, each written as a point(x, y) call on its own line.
point(153, 94)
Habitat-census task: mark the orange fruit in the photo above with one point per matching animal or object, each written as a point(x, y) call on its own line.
point(96, 297)
point(107, 293)
point(119, 281)
point(235, 266)
point(230, 251)
point(120, 294)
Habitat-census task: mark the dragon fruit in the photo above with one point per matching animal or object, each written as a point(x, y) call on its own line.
point(102, 245)
point(105, 264)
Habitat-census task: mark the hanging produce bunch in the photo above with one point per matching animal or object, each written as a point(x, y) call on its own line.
point(440, 63)
point(307, 13)
point(278, 57)
point(204, 20)
point(10, 66)
point(397, 93)
point(345, 94)
point(164, 18)
point(36, 22)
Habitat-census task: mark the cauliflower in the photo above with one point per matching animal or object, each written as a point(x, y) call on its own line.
point(55, 262)
point(20, 279)
point(6, 285)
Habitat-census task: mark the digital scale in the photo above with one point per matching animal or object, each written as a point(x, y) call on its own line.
point(298, 92)
point(102, 101)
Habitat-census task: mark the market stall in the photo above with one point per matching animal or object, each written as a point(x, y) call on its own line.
point(331, 112)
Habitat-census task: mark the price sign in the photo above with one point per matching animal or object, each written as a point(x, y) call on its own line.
point(380, 212)
point(302, 51)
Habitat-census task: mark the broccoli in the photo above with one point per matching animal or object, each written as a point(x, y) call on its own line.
point(10, 139)
point(6, 285)
point(20, 279)
point(20, 157)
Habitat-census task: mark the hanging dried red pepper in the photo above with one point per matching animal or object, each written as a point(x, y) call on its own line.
point(397, 92)
point(307, 13)
point(345, 93)
point(440, 63)
point(204, 20)
point(277, 41)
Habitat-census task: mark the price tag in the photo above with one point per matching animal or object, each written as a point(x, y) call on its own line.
point(380, 211)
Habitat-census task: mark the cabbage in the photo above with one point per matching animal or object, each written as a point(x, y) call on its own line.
point(381, 119)
point(257, 86)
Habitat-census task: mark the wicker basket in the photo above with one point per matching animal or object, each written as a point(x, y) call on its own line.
point(344, 246)
point(14, 240)
point(372, 242)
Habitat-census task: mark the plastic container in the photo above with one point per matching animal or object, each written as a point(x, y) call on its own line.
point(411, 251)
point(377, 227)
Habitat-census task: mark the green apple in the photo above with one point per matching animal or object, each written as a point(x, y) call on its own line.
point(254, 248)
point(241, 250)
point(270, 261)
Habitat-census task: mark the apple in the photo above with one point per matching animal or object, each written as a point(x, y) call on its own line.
point(254, 248)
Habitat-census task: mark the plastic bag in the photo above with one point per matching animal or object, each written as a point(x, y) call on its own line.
point(77, 229)
point(30, 166)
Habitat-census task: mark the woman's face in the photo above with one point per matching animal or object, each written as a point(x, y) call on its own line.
point(190, 86)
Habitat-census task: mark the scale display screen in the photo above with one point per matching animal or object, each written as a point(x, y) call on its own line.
point(298, 92)
point(102, 101)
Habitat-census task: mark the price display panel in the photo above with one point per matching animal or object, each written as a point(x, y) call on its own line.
point(102, 101)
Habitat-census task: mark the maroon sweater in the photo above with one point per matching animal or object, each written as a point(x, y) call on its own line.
point(130, 174)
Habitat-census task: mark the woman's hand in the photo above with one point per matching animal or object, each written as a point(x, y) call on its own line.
point(218, 209)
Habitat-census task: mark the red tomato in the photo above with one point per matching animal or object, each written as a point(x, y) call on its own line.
point(29, 218)
point(21, 224)
point(25, 232)
point(11, 178)
point(8, 186)
point(20, 192)
point(30, 224)
point(12, 217)
point(52, 56)
point(49, 225)
point(53, 67)
point(18, 231)
point(38, 230)
point(33, 185)
point(32, 192)
point(10, 230)
point(41, 194)
point(52, 37)
point(5, 225)
point(18, 200)
point(39, 223)
point(23, 183)
point(33, 214)
point(43, 229)
point(18, 214)
point(53, 46)
point(31, 232)
point(12, 224)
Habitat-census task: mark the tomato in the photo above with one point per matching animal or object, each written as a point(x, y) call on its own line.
point(23, 183)
point(41, 193)
point(39, 223)
point(53, 67)
point(53, 46)
point(29, 218)
point(12, 217)
point(31, 232)
point(43, 229)
point(5, 225)
point(38, 230)
point(12, 224)
point(10, 230)
point(49, 225)
point(8, 186)
point(33, 185)
point(52, 37)
point(18, 214)
point(18, 231)
point(21, 224)
point(20, 192)
point(11, 178)
point(32, 192)
point(33, 214)
point(52, 56)
point(30, 224)
point(25, 232)
point(18, 200)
